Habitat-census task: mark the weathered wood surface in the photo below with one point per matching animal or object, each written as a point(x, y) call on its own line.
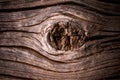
point(59, 40)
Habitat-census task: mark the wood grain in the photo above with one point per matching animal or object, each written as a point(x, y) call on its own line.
point(59, 40)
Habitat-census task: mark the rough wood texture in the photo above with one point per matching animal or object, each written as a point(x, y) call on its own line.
point(59, 40)
point(66, 36)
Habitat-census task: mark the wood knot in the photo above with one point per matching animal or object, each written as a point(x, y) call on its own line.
point(66, 36)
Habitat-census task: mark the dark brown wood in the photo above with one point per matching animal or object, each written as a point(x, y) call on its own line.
point(59, 40)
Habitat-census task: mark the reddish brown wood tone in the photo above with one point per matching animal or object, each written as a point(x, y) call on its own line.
point(59, 40)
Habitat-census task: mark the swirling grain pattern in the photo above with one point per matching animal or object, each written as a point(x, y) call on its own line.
point(59, 40)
